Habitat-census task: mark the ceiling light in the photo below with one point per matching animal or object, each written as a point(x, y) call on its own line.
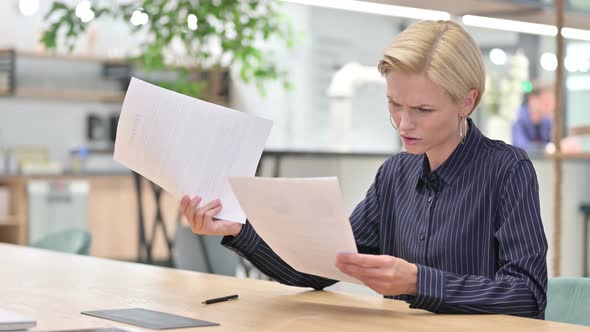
point(84, 12)
point(87, 16)
point(498, 56)
point(570, 63)
point(138, 17)
point(510, 25)
point(549, 61)
point(192, 20)
point(524, 27)
point(82, 8)
point(575, 33)
point(377, 8)
point(28, 7)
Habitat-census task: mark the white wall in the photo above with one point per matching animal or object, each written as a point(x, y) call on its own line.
point(302, 117)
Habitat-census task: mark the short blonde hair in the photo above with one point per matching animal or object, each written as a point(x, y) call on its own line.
point(444, 52)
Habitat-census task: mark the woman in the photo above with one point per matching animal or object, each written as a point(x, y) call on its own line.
point(452, 225)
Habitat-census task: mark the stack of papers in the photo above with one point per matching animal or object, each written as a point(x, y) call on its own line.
point(188, 146)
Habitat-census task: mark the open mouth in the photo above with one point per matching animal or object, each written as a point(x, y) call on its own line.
point(410, 140)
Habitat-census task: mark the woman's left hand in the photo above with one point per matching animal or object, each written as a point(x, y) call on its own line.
point(387, 275)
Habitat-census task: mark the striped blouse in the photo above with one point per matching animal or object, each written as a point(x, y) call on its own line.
point(473, 228)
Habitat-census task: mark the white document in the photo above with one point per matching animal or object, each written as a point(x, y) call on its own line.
point(11, 321)
point(302, 220)
point(188, 146)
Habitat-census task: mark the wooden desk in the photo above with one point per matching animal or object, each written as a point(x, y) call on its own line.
point(53, 288)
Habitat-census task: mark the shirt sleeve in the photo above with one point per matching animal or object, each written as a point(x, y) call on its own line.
point(366, 217)
point(365, 226)
point(249, 245)
point(520, 284)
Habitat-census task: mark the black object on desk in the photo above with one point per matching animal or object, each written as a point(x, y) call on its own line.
point(150, 319)
point(221, 299)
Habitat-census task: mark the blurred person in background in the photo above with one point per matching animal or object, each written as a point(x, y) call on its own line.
point(532, 129)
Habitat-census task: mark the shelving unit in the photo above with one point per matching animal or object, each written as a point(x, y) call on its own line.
point(72, 57)
point(78, 95)
point(112, 213)
point(7, 71)
point(13, 225)
point(112, 69)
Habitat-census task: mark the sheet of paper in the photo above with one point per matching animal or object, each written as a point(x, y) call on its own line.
point(11, 321)
point(188, 146)
point(302, 220)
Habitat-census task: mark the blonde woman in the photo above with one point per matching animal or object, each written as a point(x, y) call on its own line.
point(452, 225)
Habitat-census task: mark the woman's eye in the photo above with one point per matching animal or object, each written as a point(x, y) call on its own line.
point(424, 110)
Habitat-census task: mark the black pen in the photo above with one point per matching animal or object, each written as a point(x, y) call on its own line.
point(221, 299)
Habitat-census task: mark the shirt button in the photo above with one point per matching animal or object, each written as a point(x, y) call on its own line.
point(429, 199)
point(422, 236)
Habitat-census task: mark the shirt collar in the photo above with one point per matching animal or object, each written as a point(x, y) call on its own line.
point(459, 158)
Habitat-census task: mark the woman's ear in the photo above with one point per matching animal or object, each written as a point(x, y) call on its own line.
point(469, 102)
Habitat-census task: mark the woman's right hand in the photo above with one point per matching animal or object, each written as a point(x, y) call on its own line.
point(201, 218)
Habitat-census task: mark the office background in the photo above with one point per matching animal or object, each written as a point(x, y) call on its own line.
point(58, 114)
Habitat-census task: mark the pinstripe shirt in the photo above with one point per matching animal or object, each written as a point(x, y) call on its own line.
point(472, 227)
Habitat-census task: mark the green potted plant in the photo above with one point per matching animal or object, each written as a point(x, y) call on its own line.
point(214, 35)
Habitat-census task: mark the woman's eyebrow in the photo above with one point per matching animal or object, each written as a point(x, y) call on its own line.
point(415, 106)
point(390, 98)
point(422, 106)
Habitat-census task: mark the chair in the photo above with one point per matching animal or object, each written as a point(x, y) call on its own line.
point(568, 300)
point(74, 241)
point(585, 209)
point(202, 253)
point(146, 241)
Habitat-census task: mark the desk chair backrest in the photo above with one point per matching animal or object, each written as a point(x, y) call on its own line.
point(74, 241)
point(568, 300)
point(202, 253)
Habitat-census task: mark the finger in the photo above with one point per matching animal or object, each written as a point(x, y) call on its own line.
point(375, 284)
point(208, 219)
point(363, 260)
point(201, 211)
point(191, 209)
point(360, 272)
point(184, 202)
point(206, 207)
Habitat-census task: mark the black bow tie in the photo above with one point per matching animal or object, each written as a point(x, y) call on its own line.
point(432, 181)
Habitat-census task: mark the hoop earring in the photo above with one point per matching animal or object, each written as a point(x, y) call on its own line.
point(463, 129)
point(392, 123)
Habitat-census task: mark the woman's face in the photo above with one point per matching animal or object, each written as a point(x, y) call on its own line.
point(425, 116)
